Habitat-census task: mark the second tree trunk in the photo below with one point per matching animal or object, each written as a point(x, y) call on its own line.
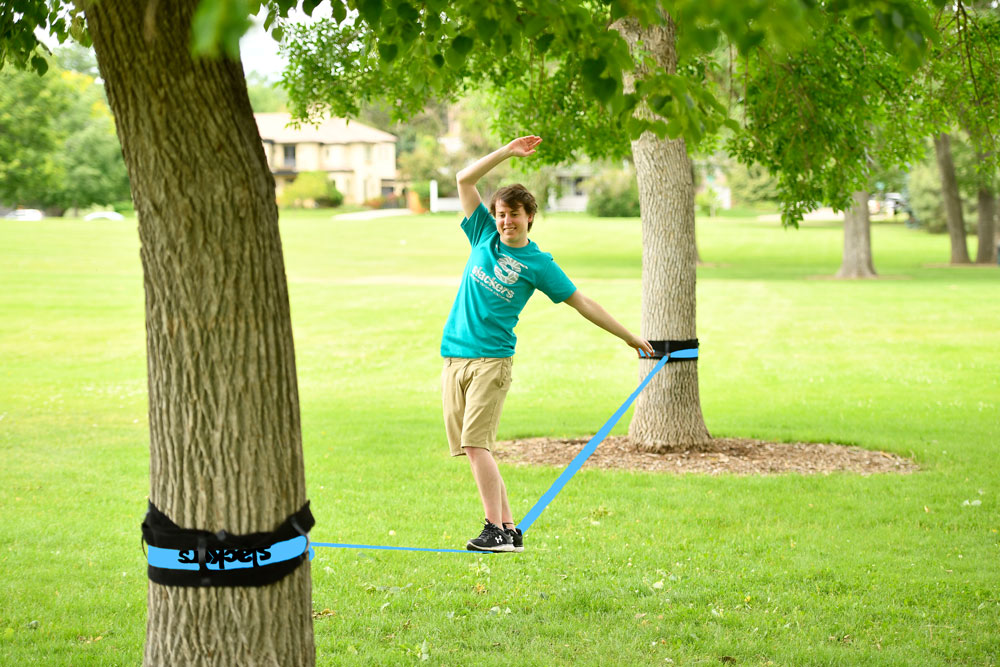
point(668, 412)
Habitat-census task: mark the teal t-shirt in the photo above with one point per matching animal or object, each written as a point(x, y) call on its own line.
point(497, 283)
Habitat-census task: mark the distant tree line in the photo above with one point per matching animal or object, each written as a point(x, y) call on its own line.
point(58, 147)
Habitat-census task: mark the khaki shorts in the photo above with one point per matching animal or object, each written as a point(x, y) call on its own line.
point(473, 391)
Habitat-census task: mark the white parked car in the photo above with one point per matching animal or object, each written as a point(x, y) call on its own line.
point(25, 214)
point(103, 215)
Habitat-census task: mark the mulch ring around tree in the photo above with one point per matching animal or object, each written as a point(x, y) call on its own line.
point(738, 456)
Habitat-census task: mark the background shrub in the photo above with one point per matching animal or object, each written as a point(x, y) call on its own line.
point(613, 194)
point(751, 186)
point(311, 189)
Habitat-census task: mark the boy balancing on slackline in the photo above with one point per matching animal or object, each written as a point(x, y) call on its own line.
point(503, 271)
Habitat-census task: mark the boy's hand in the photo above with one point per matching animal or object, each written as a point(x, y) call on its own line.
point(640, 344)
point(524, 146)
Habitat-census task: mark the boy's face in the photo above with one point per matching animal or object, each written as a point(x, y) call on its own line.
point(512, 224)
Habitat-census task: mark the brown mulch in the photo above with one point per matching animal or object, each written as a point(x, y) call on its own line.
point(738, 456)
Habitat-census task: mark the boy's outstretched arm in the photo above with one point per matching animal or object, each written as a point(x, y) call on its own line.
point(468, 195)
point(594, 312)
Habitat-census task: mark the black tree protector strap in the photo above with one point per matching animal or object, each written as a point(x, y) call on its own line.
point(182, 557)
point(662, 348)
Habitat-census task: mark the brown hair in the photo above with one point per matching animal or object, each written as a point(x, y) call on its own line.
point(514, 196)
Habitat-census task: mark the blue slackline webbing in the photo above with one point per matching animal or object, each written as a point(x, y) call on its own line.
point(598, 438)
point(370, 546)
point(560, 482)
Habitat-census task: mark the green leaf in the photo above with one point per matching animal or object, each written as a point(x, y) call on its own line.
point(750, 40)
point(630, 102)
point(308, 6)
point(388, 52)
point(371, 12)
point(604, 88)
point(408, 32)
point(617, 10)
point(338, 11)
point(77, 28)
point(437, 60)
point(463, 45)
point(674, 127)
point(218, 25)
point(407, 13)
point(40, 65)
point(635, 127)
point(535, 25)
point(544, 42)
point(660, 103)
point(592, 68)
point(455, 59)
point(432, 22)
point(705, 38)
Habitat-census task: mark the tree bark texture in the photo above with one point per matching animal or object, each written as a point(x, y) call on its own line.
point(668, 412)
point(225, 439)
point(986, 251)
point(952, 200)
point(857, 261)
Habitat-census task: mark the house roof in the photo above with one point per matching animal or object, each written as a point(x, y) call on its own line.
point(272, 127)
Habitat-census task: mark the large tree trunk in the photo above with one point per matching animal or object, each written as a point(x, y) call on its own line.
point(857, 261)
point(952, 200)
point(225, 439)
point(668, 413)
point(986, 252)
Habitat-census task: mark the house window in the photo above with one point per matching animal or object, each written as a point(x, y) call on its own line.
point(368, 153)
point(290, 155)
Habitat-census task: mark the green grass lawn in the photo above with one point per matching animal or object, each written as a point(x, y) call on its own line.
point(622, 568)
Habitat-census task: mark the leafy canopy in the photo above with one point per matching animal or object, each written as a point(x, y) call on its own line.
point(555, 65)
point(821, 118)
point(556, 68)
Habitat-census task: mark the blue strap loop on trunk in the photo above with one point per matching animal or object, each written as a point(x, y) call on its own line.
point(676, 350)
point(199, 558)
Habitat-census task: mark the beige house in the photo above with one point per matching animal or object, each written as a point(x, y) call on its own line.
point(360, 159)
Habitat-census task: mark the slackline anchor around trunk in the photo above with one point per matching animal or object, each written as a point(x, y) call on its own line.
point(200, 558)
point(676, 350)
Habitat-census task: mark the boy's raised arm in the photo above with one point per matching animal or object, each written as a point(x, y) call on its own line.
point(468, 195)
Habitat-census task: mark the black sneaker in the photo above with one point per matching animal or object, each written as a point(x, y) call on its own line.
point(516, 538)
point(493, 538)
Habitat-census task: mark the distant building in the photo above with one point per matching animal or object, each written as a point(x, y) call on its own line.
point(359, 159)
point(569, 193)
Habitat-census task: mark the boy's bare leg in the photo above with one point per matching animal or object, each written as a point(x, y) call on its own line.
point(492, 491)
point(508, 518)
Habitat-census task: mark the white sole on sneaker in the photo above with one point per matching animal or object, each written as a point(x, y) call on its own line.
point(503, 547)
